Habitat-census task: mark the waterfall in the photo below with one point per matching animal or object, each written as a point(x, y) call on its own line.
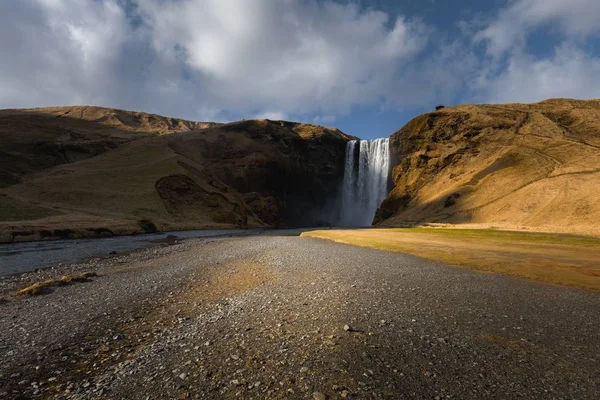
point(365, 180)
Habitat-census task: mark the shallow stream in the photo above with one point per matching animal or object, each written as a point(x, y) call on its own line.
point(28, 256)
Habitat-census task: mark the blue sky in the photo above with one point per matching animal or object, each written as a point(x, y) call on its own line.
point(366, 67)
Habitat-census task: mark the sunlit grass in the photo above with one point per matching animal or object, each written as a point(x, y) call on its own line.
point(494, 234)
point(14, 210)
point(552, 258)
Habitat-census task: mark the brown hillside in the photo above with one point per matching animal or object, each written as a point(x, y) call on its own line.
point(113, 118)
point(101, 172)
point(513, 166)
point(32, 140)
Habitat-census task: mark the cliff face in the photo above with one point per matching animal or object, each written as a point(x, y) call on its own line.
point(509, 166)
point(89, 171)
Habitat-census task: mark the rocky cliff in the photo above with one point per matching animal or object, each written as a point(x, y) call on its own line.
point(89, 171)
point(513, 166)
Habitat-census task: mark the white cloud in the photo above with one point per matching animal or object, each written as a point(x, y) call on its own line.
point(204, 59)
point(570, 72)
point(272, 115)
point(512, 73)
point(512, 25)
point(301, 56)
point(222, 60)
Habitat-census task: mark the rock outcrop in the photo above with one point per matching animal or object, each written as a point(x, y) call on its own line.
point(512, 166)
point(86, 171)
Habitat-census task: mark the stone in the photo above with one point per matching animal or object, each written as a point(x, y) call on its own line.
point(319, 396)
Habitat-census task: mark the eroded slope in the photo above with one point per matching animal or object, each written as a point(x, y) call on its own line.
point(511, 166)
point(245, 174)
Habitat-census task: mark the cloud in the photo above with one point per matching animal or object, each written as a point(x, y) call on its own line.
point(58, 51)
point(301, 56)
point(223, 60)
point(272, 115)
point(439, 77)
point(204, 59)
point(570, 72)
point(512, 73)
point(574, 18)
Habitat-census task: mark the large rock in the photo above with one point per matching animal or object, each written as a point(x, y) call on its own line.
point(507, 166)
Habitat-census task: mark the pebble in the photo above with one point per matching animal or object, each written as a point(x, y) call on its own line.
point(288, 357)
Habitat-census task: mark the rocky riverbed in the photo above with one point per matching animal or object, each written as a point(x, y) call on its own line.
point(291, 317)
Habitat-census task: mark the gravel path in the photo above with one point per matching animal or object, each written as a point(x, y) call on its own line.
point(290, 317)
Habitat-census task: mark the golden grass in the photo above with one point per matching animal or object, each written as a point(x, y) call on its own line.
point(45, 286)
point(513, 166)
point(551, 258)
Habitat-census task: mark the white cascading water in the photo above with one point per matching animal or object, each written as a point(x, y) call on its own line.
point(365, 180)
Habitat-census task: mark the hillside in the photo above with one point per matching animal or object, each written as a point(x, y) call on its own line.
point(513, 166)
point(89, 171)
point(34, 140)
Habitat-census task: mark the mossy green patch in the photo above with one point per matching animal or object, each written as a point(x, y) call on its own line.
point(552, 258)
point(500, 235)
point(15, 210)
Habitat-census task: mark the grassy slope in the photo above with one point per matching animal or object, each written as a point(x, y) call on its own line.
point(514, 166)
point(88, 168)
point(552, 258)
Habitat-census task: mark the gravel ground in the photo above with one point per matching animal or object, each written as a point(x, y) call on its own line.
point(291, 317)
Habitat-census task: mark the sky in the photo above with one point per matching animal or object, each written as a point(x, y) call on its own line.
point(365, 66)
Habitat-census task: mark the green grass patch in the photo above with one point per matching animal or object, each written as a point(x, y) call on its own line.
point(559, 259)
point(501, 235)
point(15, 210)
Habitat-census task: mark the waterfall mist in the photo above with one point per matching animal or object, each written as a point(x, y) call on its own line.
point(366, 175)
